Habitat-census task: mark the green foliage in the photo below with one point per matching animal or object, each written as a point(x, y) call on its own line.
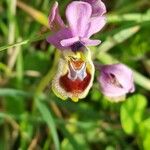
point(48, 118)
point(132, 113)
point(145, 133)
point(40, 65)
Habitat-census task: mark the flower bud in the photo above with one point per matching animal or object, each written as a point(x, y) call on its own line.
point(116, 81)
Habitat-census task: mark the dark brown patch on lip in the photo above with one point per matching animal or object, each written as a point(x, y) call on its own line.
point(77, 86)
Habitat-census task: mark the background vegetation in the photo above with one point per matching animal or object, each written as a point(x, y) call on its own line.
point(32, 117)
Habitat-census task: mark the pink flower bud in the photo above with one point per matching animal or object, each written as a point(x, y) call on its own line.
point(116, 80)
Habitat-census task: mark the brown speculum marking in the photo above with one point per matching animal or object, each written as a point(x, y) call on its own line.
point(74, 86)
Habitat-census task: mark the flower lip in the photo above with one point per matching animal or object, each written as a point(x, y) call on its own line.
point(74, 76)
point(76, 86)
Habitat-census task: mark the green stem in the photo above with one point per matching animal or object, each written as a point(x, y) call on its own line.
point(48, 77)
point(37, 105)
point(11, 33)
point(19, 69)
point(34, 39)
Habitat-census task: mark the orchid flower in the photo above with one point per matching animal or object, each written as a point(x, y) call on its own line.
point(82, 24)
point(116, 81)
point(75, 72)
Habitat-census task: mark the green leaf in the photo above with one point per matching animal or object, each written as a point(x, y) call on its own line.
point(33, 39)
point(15, 104)
point(144, 127)
point(132, 113)
point(137, 17)
point(70, 142)
point(36, 14)
point(41, 64)
point(13, 92)
point(13, 45)
point(117, 39)
point(145, 133)
point(74, 142)
point(48, 118)
point(146, 143)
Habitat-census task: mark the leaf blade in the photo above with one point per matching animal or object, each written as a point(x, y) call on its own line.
point(47, 116)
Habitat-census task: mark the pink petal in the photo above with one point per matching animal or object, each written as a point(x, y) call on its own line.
point(89, 42)
point(78, 15)
point(95, 25)
point(98, 7)
point(55, 21)
point(56, 38)
point(70, 41)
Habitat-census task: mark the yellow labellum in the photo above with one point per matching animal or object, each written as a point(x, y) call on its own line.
point(74, 75)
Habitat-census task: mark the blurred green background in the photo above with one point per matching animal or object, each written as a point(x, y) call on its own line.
point(32, 117)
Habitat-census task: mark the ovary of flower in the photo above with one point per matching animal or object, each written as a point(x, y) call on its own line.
point(74, 76)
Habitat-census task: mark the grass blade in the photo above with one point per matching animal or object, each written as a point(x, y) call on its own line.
point(37, 15)
point(137, 17)
point(71, 138)
point(34, 39)
point(48, 118)
point(118, 38)
point(13, 92)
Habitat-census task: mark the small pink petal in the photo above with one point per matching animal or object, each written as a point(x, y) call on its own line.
point(55, 21)
point(70, 41)
point(56, 38)
point(98, 7)
point(95, 25)
point(89, 42)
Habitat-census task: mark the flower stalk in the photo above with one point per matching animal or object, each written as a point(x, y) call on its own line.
point(49, 76)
